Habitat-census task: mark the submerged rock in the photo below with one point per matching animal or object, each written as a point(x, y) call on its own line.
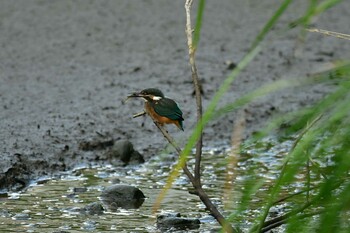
point(4, 213)
point(21, 216)
point(89, 225)
point(122, 196)
point(176, 222)
point(94, 208)
point(79, 189)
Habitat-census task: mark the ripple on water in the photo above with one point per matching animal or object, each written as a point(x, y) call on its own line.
point(56, 204)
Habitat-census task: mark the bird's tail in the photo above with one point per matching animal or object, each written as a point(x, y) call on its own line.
point(180, 125)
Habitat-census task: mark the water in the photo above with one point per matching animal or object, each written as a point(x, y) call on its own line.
point(54, 205)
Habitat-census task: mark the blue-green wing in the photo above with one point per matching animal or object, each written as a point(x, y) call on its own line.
point(168, 108)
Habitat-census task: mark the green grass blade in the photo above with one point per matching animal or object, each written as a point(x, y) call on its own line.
point(198, 26)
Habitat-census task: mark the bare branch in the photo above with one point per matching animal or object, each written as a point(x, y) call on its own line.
point(197, 181)
point(330, 33)
point(139, 114)
point(179, 151)
point(199, 190)
point(196, 83)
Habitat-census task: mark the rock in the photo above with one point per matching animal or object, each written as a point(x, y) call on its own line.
point(124, 151)
point(230, 65)
point(79, 189)
point(21, 216)
point(4, 213)
point(15, 178)
point(94, 208)
point(122, 196)
point(115, 181)
point(175, 221)
point(89, 225)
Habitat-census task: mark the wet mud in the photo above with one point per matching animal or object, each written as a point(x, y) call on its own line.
point(66, 67)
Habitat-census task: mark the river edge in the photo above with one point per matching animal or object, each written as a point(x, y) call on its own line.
point(67, 66)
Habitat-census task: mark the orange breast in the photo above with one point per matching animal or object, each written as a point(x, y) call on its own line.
point(160, 119)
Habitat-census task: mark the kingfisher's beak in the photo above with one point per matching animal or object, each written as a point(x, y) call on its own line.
point(133, 95)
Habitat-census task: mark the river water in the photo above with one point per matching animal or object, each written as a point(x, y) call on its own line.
point(53, 204)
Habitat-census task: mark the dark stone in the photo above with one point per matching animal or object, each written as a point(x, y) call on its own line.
point(124, 151)
point(80, 190)
point(115, 181)
point(230, 65)
point(176, 222)
point(15, 178)
point(122, 196)
point(94, 208)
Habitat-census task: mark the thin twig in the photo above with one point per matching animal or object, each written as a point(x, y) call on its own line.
point(177, 148)
point(199, 190)
point(280, 220)
point(330, 33)
point(300, 136)
point(289, 214)
point(294, 194)
point(139, 114)
point(284, 221)
point(276, 222)
point(197, 185)
point(195, 79)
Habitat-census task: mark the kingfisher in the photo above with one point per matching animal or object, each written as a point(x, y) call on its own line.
point(160, 108)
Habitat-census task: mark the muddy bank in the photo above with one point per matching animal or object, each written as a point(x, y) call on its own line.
point(66, 66)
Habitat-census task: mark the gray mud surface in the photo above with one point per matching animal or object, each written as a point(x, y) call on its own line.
point(66, 66)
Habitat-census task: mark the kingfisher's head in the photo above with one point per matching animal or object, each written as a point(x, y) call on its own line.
point(149, 94)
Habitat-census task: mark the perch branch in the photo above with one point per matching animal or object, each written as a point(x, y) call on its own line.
point(177, 148)
point(139, 114)
point(198, 188)
point(197, 179)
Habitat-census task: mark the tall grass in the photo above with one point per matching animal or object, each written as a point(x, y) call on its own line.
point(324, 135)
point(321, 151)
